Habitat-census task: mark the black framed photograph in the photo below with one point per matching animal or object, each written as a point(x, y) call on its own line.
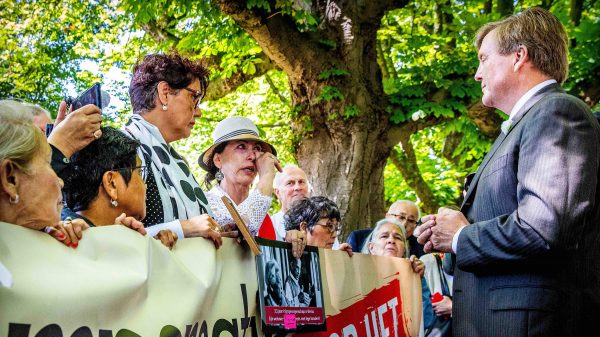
point(290, 290)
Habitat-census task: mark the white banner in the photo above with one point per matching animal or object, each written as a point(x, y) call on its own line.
point(120, 283)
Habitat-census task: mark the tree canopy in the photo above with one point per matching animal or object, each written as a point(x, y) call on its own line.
point(375, 100)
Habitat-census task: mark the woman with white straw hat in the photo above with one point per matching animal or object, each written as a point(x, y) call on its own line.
point(235, 158)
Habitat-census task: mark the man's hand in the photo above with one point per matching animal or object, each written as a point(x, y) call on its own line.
point(74, 131)
point(447, 223)
point(425, 232)
point(443, 307)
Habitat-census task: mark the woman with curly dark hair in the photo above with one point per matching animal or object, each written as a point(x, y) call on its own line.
point(318, 219)
point(166, 91)
point(104, 185)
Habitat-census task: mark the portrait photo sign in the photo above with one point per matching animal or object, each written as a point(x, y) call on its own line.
point(290, 290)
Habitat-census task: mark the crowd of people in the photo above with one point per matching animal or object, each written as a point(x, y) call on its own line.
point(532, 205)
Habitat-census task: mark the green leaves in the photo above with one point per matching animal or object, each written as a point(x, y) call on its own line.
point(329, 93)
point(333, 73)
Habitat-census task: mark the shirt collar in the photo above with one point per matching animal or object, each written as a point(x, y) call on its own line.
point(527, 96)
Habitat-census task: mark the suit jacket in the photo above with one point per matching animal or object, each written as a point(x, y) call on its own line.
point(357, 238)
point(520, 264)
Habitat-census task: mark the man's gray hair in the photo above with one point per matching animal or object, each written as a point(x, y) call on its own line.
point(412, 203)
point(279, 175)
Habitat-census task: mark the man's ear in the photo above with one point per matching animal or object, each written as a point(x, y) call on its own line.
point(9, 178)
point(276, 190)
point(521, 57)
point(370, 247)
point(110, 184)
point(163, 90)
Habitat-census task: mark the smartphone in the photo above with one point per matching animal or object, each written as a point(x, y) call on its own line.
point(49, 128)
point(93, 95)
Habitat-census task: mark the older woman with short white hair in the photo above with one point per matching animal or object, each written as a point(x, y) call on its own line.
point(389, 239)
point(30, 190)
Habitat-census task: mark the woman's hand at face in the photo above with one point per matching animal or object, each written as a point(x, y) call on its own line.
point(130, 222)
point(204, 226)
point(266, 164)
point(68, 232)
point(167, 237)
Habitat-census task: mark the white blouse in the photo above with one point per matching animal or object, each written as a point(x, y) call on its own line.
point(255, 208)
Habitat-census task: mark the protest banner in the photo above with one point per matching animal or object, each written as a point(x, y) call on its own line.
point(120, 283)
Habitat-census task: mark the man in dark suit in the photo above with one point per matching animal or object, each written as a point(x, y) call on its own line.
point(526, 237)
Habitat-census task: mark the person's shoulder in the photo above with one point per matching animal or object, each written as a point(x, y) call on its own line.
point(562, 100)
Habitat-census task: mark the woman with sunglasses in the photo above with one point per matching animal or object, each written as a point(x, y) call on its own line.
point(166, 91)
point(104, 185)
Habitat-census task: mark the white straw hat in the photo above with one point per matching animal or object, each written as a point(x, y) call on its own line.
point(232, 128)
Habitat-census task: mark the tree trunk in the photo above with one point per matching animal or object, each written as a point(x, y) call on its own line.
point(341, 122)
point(575, 10)
point(346, 165)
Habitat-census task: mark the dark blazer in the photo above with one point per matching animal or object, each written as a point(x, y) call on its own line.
point(533, 199)
point(357, 238)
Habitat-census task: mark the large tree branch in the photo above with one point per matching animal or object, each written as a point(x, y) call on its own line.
point(276, 90)
point(406, 162)
point(375, 9)
point(397, 133)
point(487, 119)
point(277, 35)
point(220, 87)
point(157, 31)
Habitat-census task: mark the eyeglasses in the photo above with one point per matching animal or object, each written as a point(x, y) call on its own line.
point(331, 227)
point(197, 97)
point(142, 170)
point(403, 218)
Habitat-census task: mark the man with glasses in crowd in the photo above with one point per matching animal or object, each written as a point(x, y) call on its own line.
point(407, 212)
point(404, 211)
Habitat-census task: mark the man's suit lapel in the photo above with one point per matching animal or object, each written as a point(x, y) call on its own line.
point(483, 164)
point(552, 88)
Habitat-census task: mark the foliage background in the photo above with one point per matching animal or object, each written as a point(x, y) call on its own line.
point(425, 52)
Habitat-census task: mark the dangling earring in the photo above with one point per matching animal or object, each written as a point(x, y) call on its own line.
point(219, 175)
point(14, 200)
point(164, 107)
point(114, 203)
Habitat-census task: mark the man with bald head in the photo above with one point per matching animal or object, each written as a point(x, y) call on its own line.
point(290, 185)
point(407, 212)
